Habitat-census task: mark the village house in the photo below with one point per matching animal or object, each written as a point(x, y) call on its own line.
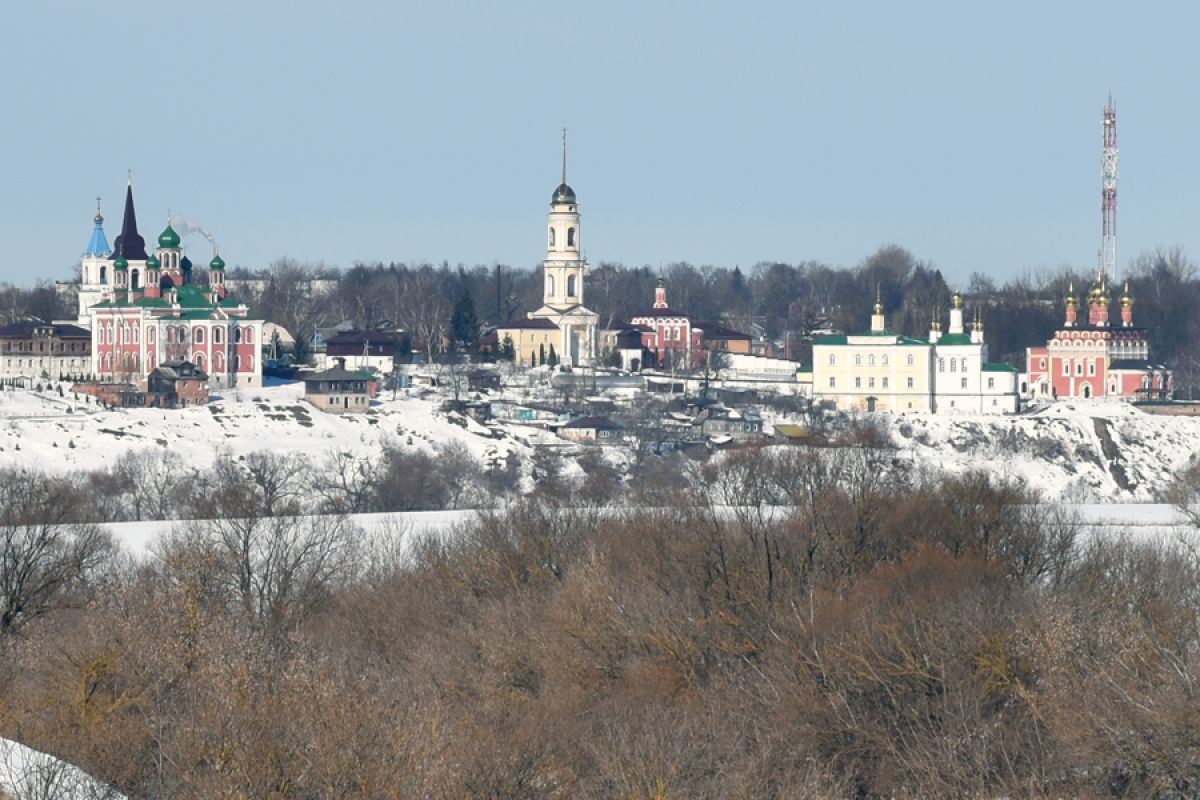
point(176, 384)
point(338, 390)
point(592, 430)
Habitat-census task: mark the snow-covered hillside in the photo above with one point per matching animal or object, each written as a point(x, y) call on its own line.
point(48, 432)
point(1073, 453)
point(1084, 452)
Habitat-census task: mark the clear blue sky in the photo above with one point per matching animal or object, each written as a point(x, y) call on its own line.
point(714, 133)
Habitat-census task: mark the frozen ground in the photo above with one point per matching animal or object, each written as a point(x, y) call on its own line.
point(27, 773)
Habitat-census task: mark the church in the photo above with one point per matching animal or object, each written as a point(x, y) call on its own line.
point(1096, 359)
point(144, 309)
point(562, 329)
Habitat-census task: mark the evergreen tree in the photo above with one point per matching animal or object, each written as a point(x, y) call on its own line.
point(541, 354)
point(552, 359)
point(507, 351)
point(464, 325)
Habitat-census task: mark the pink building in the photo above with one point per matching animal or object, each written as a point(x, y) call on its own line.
point(1099, 358)
point(150, 311)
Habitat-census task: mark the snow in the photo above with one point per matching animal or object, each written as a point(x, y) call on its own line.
point(41, 430)
point(28, 774)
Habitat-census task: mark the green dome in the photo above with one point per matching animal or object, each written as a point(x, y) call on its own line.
point(168, 238)
point(152, 262)
point(217, 263)
point(120, 263)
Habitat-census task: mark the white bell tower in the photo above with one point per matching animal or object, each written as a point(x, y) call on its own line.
point(565, 267)
point(94, 267)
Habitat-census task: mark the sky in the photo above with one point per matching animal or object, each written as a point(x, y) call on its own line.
point(716, 133)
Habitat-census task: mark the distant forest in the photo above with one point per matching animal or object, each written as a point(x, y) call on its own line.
point(787, 300)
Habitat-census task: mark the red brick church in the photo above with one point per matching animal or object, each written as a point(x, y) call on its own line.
point(1097, 358)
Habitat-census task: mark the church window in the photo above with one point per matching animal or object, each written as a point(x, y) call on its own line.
point(909, 360)
point(1078, 367)
point(857, 360)
point(570, 286)
point(550, 285)
point(135, 334)
point(135, 279)
point(552, 237)
point(198, 336)
point(1043, 363)
point(216, 335)
point(1091, 368)
point(570, 237)
point(237, 335)
point(249, 337)
point(104, 274)
point(150, 336)
point(910, 383)
point(1066, 367)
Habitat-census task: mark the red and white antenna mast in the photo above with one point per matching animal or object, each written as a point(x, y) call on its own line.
point(1108, 194)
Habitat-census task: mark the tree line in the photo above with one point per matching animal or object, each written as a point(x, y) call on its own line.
point(882, 634)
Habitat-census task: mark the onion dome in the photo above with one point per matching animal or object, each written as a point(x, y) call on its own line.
point(563, 194)
point(185, 264)
point(1071, 299)
point(152, 262)
point(121, 263)
point(957, 300)
point(1126, 300)
point(168, 238)
point(217, 262)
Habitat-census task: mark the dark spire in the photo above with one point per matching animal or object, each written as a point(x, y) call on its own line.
point(129, 245)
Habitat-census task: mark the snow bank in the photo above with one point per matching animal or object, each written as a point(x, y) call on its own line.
point(28, 774)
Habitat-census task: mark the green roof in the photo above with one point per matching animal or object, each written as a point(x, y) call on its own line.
point(120, 263)
point(152, 262)
point(217, 262)
point(168, 238)
point(955, 338)
point(998, 368)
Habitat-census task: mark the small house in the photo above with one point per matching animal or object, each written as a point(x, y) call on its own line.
point(176, 384)
point(592, 430)
point(338, 390)
point(482, 380)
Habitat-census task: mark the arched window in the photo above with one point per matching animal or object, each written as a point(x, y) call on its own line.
point(104, 274)
point(237, 363)
point(237, 335)
point(199, 360)
point(198, 336)
point(570, 237)
point(216, 335)
point(135, 279)
point(858, 359)
point(550, 285)
point(183, 335)
point(248, 337)
point(885, 359)
point(218, 361)
point(552, 237)
point(570, 286)
point(135, 334)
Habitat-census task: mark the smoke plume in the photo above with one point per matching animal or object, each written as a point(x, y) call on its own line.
point(184, 227)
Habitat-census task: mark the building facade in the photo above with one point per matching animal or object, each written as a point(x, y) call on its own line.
point(880, 370)
point(38, 350)
point(144, 309)
point(1096, 358)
